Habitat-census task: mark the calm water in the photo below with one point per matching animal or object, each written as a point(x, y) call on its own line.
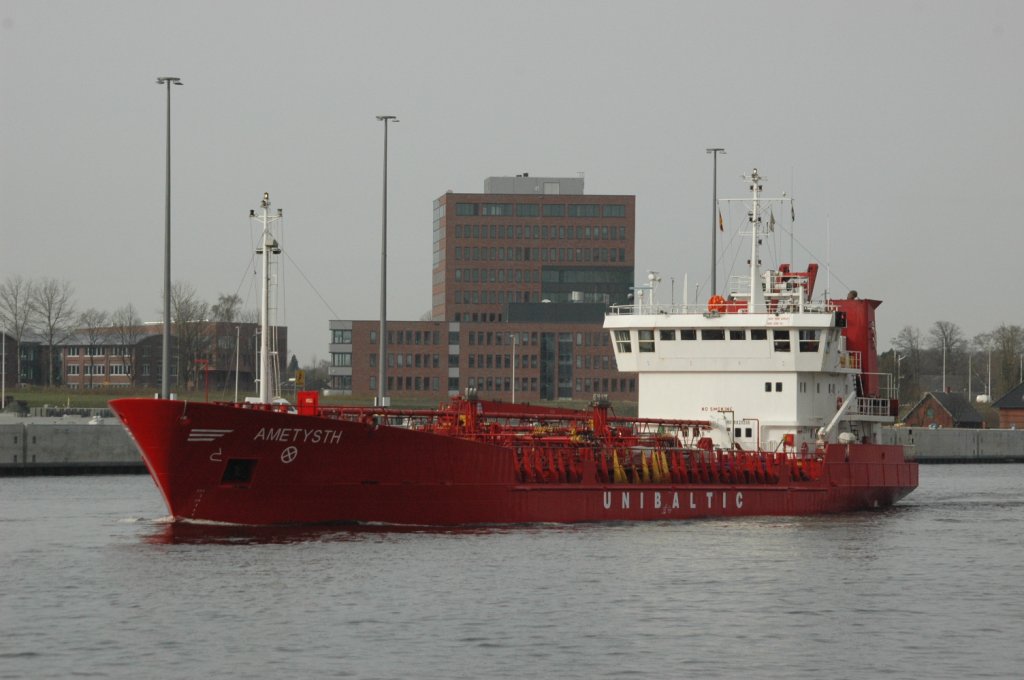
point(93, 584)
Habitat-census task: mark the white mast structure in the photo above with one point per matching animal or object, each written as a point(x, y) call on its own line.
point(756, 303)
point(267, 246)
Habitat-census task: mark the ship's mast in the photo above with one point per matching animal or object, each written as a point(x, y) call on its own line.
point(756, 303)
point(268, 245)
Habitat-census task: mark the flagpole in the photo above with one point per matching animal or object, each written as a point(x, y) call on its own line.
point(714, 151)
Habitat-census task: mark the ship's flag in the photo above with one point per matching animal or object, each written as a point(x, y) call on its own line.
point(771, 220)
point(721, 224)
point(792, 212)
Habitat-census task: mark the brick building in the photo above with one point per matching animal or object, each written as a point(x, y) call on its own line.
point(943, 409)
point(109, 357)
point(1011, 408)
point(522, 274)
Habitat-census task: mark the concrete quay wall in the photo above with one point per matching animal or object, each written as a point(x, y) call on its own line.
point(958, 446)
point(34, 447)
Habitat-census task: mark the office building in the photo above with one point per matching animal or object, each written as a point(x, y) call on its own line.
point(522, 276)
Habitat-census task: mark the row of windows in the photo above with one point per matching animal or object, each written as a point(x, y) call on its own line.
point(482, 338)
point(409, 360)
point(395, 383)
point(497, 275)
point(490, 297)
point(808, 339)
point(583, 385)
point(395, 360)
point(485, 317)
point(546, 209)
point(540, 232)
point(98, 369)
point(831, 388)
point(517, 254)
point(522, 361)
point(490, 384)
point(395, 337)
point(97, 351)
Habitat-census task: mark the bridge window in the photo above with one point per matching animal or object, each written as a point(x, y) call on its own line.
point(737, 335)
point(758, 334)
point(687, 334)
point(622, 342)
point(781, 341)
point(809, 341)
point(645, 341)
point(712, 334)
point(666, 334)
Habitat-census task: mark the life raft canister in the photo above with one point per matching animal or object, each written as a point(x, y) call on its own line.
point(716, 303)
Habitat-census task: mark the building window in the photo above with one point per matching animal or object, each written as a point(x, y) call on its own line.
point(341, 358)
point(527, 210)
point(554, 210)
point(341, 337)
point(583, 210)
point(614, 211)
point(465, 208)
point(496, 209)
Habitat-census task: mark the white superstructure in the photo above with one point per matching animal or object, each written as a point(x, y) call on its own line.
point(769, 368)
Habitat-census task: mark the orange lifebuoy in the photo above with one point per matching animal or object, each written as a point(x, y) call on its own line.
point(716, 303)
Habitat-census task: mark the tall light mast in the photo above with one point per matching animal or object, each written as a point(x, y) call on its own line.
point(714, 209)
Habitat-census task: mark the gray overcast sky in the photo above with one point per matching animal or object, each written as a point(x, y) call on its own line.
point(899, 124)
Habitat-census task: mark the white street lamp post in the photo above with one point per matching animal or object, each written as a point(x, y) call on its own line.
point(165, 360)
point(382, 340)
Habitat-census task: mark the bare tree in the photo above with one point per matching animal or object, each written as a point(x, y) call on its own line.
point(1008, 342)
point(983, 343)
point(92, 326)
point(908, 345)
point(54, 310)
point(126, 327)
point(16, 312)
point(227, 308)
point(948, 342)
point(189, 316)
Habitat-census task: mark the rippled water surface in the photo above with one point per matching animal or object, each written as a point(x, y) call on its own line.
point(92, 583)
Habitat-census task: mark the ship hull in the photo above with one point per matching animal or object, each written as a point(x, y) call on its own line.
point(216, 462)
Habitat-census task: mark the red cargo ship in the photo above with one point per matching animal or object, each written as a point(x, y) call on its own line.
point(761, 403)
